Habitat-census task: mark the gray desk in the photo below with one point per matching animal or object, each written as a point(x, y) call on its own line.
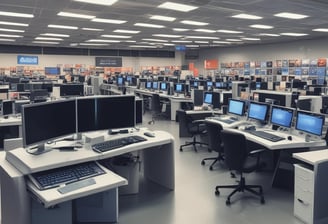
point(158, 166)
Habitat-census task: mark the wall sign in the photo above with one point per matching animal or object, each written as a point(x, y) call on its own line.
point(27, 60)
point(109, 61)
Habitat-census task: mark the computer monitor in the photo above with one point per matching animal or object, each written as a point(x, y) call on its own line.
point(20, 87)
point(164, 86)
point(86, 114)
point(139, 111)
point(18, 104)
point(179, 87)
point(120, 81)
point(281, 116)
point(69, 90)
point(198, 97)
point(212, 98)
point(209, 84)
point(44, 122)
point(39, 95)
point(310, 123)
point(236, 107)
point(7, 107)
point(208, 97)
point(155, 86)
point(258, 111)
point(148, 85)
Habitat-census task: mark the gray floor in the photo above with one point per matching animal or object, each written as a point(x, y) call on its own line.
point(194, 201)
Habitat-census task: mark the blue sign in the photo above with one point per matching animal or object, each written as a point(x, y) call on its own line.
point(27, 60)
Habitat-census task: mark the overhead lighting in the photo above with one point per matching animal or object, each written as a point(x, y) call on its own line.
point(13, 24)
point(180, 29)
point(75, 15)
point(192, 46)
point(112, 21)
point(63, 27)
point(142, 46)
point(9, 35)
point(321, 30)
point(294, 34)
point(98, 2)
point(104, 41)
point(195, 23)
point(126, 31)
point(202, 37)
point(259, 26)
point(11, 30)
point(92, 44)
point(149, 25)
point(15, 14)
point(45, 42)
point(234, 40)
point(130, 41)
point(181, 41)
point(92, 29)
point(289, 15)
point(229, 31)
point(177, 6)
point(54, 35)
point(246, 16)
point(116, 36)
point(154, 40)
point(201, 42)
point(48, 38)
point(249, 38)
point(221, 42)
point(269, 34)
point(163, 18)
point(9, 40)
point(168, 44)
point(166, 35)
point(205, 30)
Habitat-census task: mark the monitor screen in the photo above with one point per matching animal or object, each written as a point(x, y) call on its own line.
point(18, 105)
point(236, 107)
point(139, 111)
point(179, 87)
point(281, 116)
point(148, 85)
point(7, 107)
point(209, 84)
point(309, 122)
point(86, 114)
point(258, 111)
point(208, 98)
point(155, 85)
point(120, 81)
point(38, 95)
point(71, 90)
point(42, 122)
point(52, 70)
point(164, 86)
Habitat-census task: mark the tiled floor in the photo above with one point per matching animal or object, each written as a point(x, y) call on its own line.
point(194, 201)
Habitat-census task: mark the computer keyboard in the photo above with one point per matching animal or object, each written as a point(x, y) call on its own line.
point(266, 135)
point(64, 175)
point(229, 120)
point(117, 143)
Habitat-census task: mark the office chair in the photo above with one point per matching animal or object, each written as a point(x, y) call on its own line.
point(214, 142)
point(236, 155)
point(194, 128)
point(156, 108)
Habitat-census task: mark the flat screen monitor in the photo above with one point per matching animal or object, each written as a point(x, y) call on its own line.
point(148, 85)
point(209, 84)
point(208, 97)
point(52, 70)
point(67, 90)
point(7, 107)
point(155, 85)
point(38, 95)
point(281, 116)
point(20, 87)
point(86, 114)
point(7, 132)
point(163, 86)
point(310, 123)
point(258, 111)
point(43, 122)
point(139, 111)
point(212, 98)
point(198, 97)
point(120, 81)
point(236, 107)
point(19, 104)
point(179, 87)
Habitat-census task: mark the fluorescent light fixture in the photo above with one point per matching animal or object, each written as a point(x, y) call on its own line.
point(9, 35)
point(177, 6)
point(289, 15)
point(142, 46)
point(9, 40)
point(192, 46)
point(250, 38)
point(63, 27)
point(54, 35)
point(181, 41)
point(116, 36)
point(112, 21)
point(321, 30)
point(13, 24)
point(205, 30)
point(48, 38)
point(269, 34)
point(92, 44)
point(104, 41)
point(202, 37)
point(149, 25)
point(294, 34)
point(195, 23)
point(163, 18)
point(201, 42)
point(246, 16)
point(221, 42)
point(92, 29)
point(260, 26)
point(126, 31)
point(15, 14)
point(11, 30)
point(98, 2)
point(75, 15)
point(166, 35)
point(154, 40)
point(229, 31)
point(180, 29)
point(45, 42)
point(130, 41)
point(234, 40)
point(168, 44)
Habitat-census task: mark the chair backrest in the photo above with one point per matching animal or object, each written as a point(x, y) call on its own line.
point(235, 149)
point(214, 136)
point(156, 103)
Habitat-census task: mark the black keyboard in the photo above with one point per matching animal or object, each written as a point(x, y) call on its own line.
point(266, 135)
point(117, 143)
point(229, 120)
point(63, 175)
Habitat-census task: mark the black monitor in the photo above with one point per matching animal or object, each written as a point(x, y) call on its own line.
point(179, 87)
point(39, 95)
point(164, 86)
point(69, 90)
point(236, 107)
point(155, 85)
point(44, 122)
point(139, 111)
point(7, 107)
point(47, 86)
point(86, 114)
point(310, 123)
point(20, 87)
point(198, 97)
point(281, 116)
point(7, 132)
point(19, 104)
point(212, 98)
point(258, 111)
point(304, 104)
point(148, 85)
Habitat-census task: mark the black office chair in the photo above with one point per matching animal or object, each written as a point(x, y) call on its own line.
point(214, 142)
point(237, 157)
point(156, 108)
point(194, 128)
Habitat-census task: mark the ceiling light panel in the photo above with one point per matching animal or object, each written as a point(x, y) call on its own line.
point(181, 41)
point(104, 41)
point(202, 37)
point(98, 2)
point(75, 15)
point(205, 30)
point(163, 18)
point(12, 30)
point(321, 30)
point(289, 15)
point(229, 31)
point(13, 24)
point(221, 42)
point(112, 21)
point(126, 31)
point(154, 40)
point(9, 35)
point(15, 14)
point(195, 23)
point(177, 6)
point(269, 34)
point(166, 35)
point(45, 42)
point(180, 29)
point(54, 35)
point(48, 38)
point(246, 16)
point(92, 44)
point(142, 46)
point(63, 27)
point(294, 34)
point(116, 36)
point(233, 40)
point(92, 29)
point(250, 38)
point(149, 25)
point(260, 26)
point(9, 40)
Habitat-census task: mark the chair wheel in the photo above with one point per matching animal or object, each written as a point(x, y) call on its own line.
point(203, 162)
point(181, 149)
point(262, 200)
point(211, 168)
point(217, 192)
point(228, 202)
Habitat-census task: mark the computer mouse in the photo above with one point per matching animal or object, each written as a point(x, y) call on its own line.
point(290, 138)
point(149, 134)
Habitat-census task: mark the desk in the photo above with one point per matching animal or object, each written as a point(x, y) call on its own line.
point(158, 166)
point(311, 184)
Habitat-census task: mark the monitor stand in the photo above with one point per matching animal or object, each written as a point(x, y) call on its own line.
point(39, 149)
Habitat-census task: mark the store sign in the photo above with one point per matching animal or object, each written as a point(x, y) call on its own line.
point(109, 61)
point(27, 60)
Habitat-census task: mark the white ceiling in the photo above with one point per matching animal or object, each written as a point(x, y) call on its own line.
point(215, 12)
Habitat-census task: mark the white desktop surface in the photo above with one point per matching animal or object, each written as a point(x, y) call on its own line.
point(312, 157)
point(11, 121)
